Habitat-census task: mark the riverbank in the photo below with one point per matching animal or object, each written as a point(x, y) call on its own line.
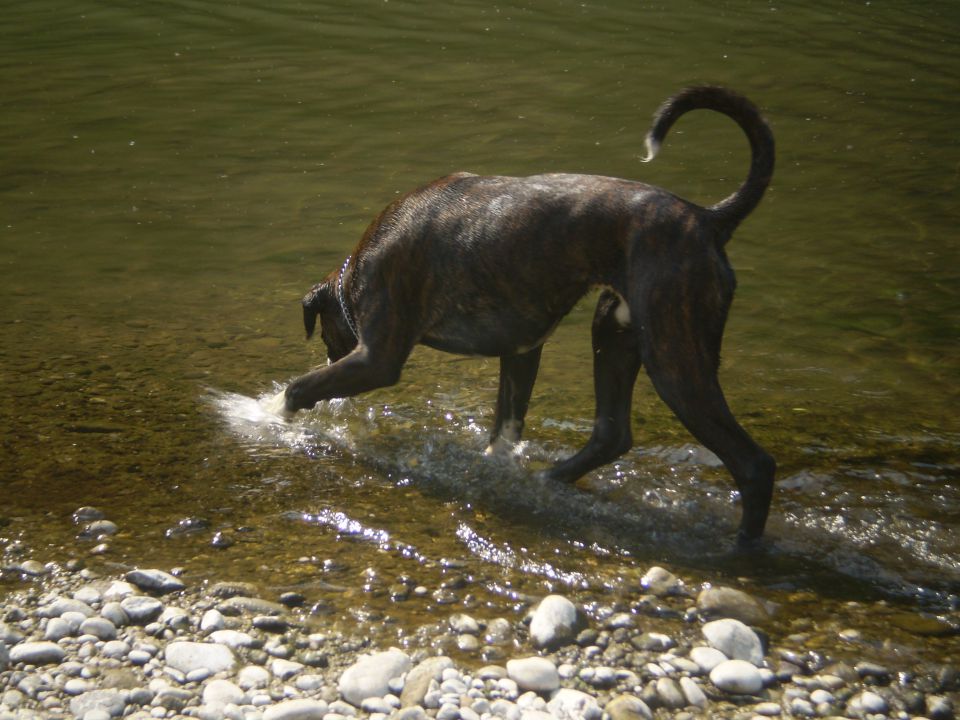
point(75, 642)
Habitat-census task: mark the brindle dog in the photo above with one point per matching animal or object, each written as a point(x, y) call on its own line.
point(490, 265)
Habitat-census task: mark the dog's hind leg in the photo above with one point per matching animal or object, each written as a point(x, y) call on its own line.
point(683, 364)
point(517, 376)
point(616, 362)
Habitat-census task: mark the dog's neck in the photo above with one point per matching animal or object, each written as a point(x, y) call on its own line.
point(343, 302)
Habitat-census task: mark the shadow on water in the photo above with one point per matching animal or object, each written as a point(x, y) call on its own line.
point(670, 505)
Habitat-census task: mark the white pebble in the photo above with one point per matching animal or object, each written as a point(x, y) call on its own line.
point(737, 676)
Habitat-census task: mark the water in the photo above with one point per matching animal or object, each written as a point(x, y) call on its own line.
point(175, 176)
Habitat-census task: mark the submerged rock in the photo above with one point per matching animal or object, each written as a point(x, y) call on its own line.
point(727, 602)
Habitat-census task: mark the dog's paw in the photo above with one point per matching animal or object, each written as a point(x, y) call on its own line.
point(277, 405)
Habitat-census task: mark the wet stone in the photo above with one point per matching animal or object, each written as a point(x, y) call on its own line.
point(153, 580)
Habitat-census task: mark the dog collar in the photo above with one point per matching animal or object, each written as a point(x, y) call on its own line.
point(343, 302)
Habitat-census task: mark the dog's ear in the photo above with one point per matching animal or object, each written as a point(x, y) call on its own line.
point(313, 303)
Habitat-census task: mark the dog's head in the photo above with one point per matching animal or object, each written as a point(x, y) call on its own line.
point(334, 329)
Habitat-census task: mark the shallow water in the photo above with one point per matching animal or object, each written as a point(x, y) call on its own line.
point(175, 176)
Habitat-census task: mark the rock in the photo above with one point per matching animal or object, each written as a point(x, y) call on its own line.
point(555, 622)
point(628, 707)
point(867, 703)
point(534, 673)
point(738, 677)
point(232, 638)
point(57, 629)
point(939, 708)
point(499, 632)
point(242, 604)
point(112, 702)
point(660, 582)
point(37, 653)
point(285, 669)
point(99, 627)
point(418, 680)
point(707, 658)
point(64, 605)
point(669, 693)
point(141, 609)
point(4, 656)
point(462, 623)
point(727, 602)
point(115, 613)
point(156, 581)
point(370, 676)
point(253, 677)
point(567, 704)
point(652, 641)
point(221, 692)
point(693, 693)
point(212, 620)
point(734, 639)
point(189, 656)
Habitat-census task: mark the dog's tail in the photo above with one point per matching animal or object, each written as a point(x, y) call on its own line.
point(730, 211)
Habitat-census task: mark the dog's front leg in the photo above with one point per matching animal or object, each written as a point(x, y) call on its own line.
point(517, 376)
point(353, 374)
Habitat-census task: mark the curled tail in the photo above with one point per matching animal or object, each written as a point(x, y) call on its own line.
point(731, 210)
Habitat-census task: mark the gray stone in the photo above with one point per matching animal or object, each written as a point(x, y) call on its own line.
point(62, 605)
point(462, 623)
point(370, 676)
point(738, 677)
point(670, 694)
point(660, 582)
point(727, 602)
point(534, 673)
point(115, 613)
point(253, 677)
point(568, 704)
point(939, 708)
point(232, 638)
point(110, 701)
point(499, 632)
point(693, 693)
point(99, 627)
point(628, 707)
point(141, 609)
point(221, 692)
point(867, 703)
point(57, 629)
point(255, 606)
point(4, 656)
point(37, 653)
point(153, 580)
point(418, 680)
point(188, 656)
point(734, 639)
point(302, 709)
point(555, 622)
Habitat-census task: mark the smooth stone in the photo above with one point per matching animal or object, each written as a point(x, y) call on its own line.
point(99, 627)
point(867, 702)
point(255, 606)
point(499, 632)
point(232, 638)
point(253, 677)
point(285, 669)
point(555, 622)
point(64, 605)
point(111, 701)
point(574, 705)
point(693, 693)
point(57, 629)
point(413, 712)
point(154, 580)
point(767, 709)
point(707, 658)
point(42, 652)
point(115, 613)
point(669, 693)
point(212, 620)
point(417, 682)
point(141, 609)
point(727, 602)
point(301, 709)
point(116, 649)
point(737, 676)
point(534, 673)
point(76, 686)
point(734, 639)
point(370, 675)
point(660, 582)
point(461, 623)
point(628, 707)
point(118, 590)
point(187, 656)
point(222, 692)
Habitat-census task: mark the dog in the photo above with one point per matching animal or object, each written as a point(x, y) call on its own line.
point(489, 265)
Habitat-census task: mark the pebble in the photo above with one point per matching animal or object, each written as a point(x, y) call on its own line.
point(533, 673)
point(37, 653)
point(727, 602)
point(153, 580)
point(370, 676)
point(555, 622)
point(300, 709)
point(628, 707)
point(734, 639)
point(737, 676)
point(186, 656)
point(141, 609)
point(660, 582)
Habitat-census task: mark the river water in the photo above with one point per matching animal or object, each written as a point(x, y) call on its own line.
point(175, 175)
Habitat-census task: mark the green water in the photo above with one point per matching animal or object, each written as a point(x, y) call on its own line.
point(175, 175)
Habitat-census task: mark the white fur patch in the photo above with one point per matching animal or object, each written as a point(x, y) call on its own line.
point(622, 313)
